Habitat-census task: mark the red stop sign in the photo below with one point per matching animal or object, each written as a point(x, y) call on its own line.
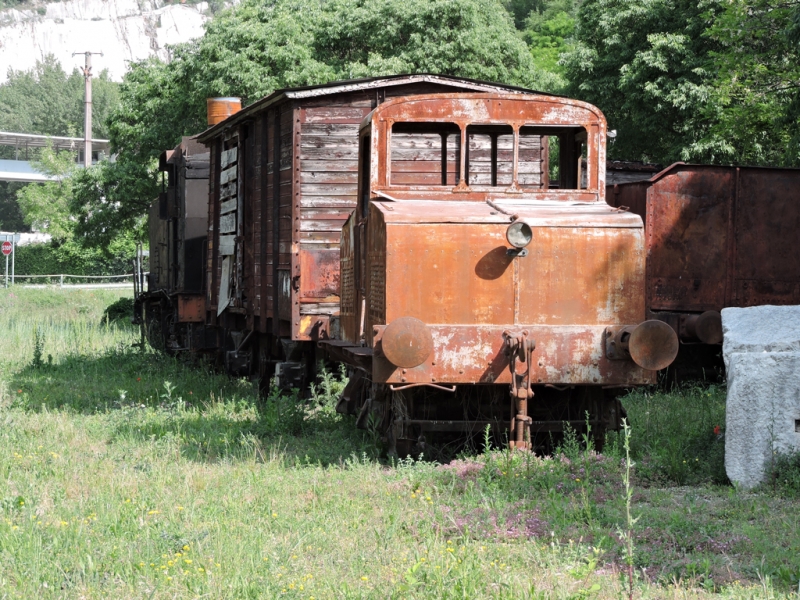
point(7, 247)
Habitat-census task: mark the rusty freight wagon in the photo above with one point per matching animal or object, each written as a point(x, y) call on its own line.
point(173, 307)
point(484, 279)
point(716, 237)
point(283, 181)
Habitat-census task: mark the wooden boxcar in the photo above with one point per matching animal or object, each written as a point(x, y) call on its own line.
point(174, 305)
point(283, 180)
point(482, 259)
point(716, 237)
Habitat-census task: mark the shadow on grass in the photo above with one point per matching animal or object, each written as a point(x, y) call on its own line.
point(148, 396)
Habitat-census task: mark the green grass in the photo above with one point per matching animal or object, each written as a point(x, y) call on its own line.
point(119, 465)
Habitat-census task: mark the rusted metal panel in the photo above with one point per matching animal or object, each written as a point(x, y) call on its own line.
point(564, 355)
point(191, 309)
point(687, 236)
point(767, 226)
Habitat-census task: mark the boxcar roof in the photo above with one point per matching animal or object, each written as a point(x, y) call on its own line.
point(353, 85)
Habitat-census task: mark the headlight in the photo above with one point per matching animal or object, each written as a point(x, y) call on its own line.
point(519, 234)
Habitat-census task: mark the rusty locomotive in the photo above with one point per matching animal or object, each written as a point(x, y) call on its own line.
point(449, 240)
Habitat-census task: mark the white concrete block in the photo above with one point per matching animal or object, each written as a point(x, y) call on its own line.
point(761, 348)
point(761, 328)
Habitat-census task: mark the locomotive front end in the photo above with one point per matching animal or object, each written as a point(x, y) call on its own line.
point(487, 284)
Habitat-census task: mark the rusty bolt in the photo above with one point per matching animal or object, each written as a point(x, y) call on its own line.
point(433, 362)
point(461, 371)
point(405, 371)
point(403, 379)
point(433, 378)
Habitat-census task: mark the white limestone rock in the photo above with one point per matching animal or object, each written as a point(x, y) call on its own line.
point(761, 348)
point(124, 30)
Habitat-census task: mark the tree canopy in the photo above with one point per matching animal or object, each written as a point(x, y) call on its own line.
point(706, 81)
point(700, 80)
point(260, 46)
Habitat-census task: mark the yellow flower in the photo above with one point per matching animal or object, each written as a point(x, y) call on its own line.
point(169, 578)
point(179, 507)
point(201, 569)
point(274, 515)
point(141, 564)
point(170, 563)
point(152, 512)
point(186, 548)
point(188, 561)
point(363, 578)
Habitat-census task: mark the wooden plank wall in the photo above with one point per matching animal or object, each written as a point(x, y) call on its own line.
point(417, 159)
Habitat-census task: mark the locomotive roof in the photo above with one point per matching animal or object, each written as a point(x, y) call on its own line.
point(354, 85)
point(537, 213)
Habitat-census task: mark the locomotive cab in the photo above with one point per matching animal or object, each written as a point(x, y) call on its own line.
point(484, 280)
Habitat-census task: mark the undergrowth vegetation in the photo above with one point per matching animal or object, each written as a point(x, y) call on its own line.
point(130, 474)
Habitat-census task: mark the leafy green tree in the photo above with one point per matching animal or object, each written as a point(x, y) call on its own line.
point(46, 206)
point(47, 101)
point(711, 81)
point(261, 45)
point(646, 65)
point(755, 102)
point(549, 30)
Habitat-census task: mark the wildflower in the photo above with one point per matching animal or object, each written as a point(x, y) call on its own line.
point(169, 578)
point(188, 561)
point(274, 515)
point(152, 512)
point(141, 564)
point(181, 508)
point(363, 578)
point(201, 569)
point(186, 548)
point(170, 563)
point(19, 391)
point(717, 429)
point(413, 496)
point(138, 379)
point(450, 550)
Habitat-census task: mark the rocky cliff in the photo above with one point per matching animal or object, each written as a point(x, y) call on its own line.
point(124, 30)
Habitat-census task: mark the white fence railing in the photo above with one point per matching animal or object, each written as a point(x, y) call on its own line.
point(58, 279)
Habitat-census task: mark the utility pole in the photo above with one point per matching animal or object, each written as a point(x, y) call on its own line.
point(87, 120)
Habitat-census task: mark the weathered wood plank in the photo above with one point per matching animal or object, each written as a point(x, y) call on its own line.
point(325, 189)
point(227, 245)
point(228, 157)
point(228, 174)
point(228, 206)
point(332, 202)
point(329, 129)
point(227, 191)
point(227, 223)
point(328, 177)
point(338, 166)
point(332, 114)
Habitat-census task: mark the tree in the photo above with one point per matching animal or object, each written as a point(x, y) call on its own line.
point(47, 101)
point(259, 46)
point(646, 65)
point(707, 81)
point(755, 107)
point(46, 206)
